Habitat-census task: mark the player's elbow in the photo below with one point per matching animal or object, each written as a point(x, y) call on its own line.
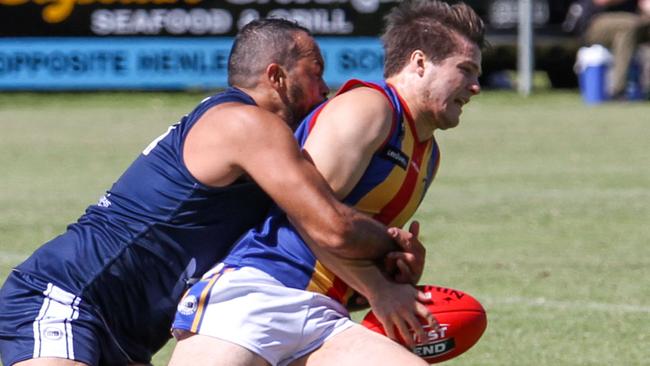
point(346, 235)
point(339, 235)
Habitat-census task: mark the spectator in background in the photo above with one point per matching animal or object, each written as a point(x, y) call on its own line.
point(644, 9)
point(621, 26)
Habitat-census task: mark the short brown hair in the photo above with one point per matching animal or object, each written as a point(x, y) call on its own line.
point(260, 43)
point(431, 26)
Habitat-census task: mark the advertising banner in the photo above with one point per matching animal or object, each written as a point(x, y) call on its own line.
point(177, 18)
point(160, 63)
point(169, 44)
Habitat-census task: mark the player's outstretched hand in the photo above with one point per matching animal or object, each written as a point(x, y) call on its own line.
point(406, 266)
point(399, 307)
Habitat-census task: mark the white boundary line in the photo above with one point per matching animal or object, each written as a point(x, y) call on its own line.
point(566, 305)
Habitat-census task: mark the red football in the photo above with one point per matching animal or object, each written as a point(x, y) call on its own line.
point(462, 322)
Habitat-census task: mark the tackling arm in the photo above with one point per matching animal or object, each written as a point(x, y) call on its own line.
point(240, 139)
point(230, 141)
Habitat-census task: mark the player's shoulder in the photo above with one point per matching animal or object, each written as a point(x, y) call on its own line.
point(240, 119)
point(365, 97)
point(368, 107)
point(234, 111)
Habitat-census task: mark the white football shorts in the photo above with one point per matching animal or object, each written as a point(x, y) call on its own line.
point(250, 308)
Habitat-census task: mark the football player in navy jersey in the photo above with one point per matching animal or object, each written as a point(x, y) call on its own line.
point(105, 291)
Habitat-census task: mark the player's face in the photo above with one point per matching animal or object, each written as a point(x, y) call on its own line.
point(451, 83)
point(306, 87)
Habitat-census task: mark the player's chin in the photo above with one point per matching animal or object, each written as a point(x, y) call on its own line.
point(450, 120)
point(449, 116)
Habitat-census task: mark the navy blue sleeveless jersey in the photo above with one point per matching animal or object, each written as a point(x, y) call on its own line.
point(133, 254)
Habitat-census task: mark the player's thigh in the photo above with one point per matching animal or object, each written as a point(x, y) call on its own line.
point(49, 361)
point(198, 349)
point(360, 346)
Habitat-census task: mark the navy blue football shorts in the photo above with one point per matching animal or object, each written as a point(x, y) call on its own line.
point(39, 319)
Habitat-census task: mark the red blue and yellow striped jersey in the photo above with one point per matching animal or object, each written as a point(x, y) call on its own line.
point(390, 189)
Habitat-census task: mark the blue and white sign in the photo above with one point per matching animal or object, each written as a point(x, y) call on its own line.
point(115, 63)
point(346, 58)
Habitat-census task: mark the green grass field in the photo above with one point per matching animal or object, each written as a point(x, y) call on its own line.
point(541, 210)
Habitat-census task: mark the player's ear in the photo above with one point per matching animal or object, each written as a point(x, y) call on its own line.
point(276, 76)
point(417, 61)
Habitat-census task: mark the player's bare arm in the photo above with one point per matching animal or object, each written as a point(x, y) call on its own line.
point(341, 145)
point(357, 123)
point(234, 140)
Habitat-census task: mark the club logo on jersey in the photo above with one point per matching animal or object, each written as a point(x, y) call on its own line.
point(396, 156)
point(52, 333)
point(188, 305)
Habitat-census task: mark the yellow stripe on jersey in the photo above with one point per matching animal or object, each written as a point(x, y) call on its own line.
point(322, 280)
point(375, 200)
point(325, 282)
point(416, 197)
point(388, 188)
point(201, 305)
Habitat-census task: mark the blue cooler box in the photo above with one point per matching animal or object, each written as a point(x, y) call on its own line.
point(592, 65)
point(593, 84)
